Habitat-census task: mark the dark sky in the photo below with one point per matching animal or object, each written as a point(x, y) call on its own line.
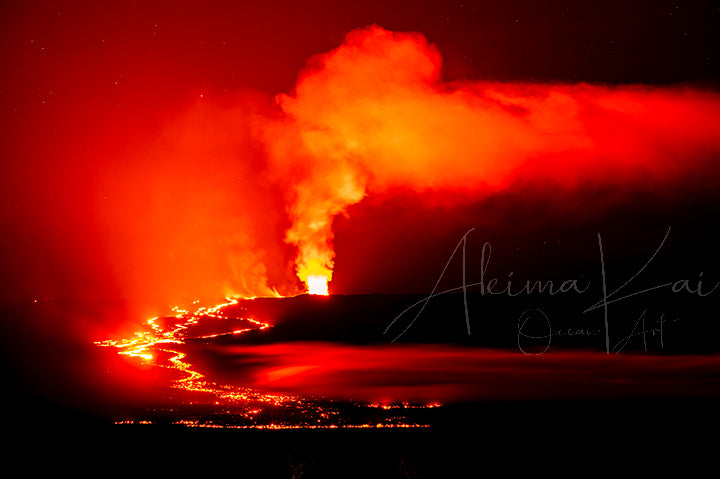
point(89, 87)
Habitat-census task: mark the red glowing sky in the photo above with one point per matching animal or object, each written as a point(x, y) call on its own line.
point(131, 170)
point(163, 150)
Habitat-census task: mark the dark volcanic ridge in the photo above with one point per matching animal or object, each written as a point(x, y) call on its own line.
point(654, 322)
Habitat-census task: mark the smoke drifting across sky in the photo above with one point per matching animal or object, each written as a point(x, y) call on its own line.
point(374, 115)
point(239, 196)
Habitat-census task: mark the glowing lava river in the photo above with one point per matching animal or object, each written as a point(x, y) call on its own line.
point(199, 401)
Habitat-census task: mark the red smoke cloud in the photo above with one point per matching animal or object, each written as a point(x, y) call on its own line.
point(374, 114)
point(237, 188)
point(195, 215)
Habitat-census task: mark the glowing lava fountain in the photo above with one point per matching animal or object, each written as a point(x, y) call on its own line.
point(317, 284)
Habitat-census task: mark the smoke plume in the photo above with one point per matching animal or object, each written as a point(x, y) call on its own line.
point(374, 115)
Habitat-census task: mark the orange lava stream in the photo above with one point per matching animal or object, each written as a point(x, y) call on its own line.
point(147, 344)
point(162, 341)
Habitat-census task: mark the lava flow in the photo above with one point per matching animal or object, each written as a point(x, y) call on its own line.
point(211, 404)
point(163, 340)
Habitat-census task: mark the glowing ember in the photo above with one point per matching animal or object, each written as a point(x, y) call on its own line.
point(317, 284)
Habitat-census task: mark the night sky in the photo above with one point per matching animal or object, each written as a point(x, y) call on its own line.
point(91, 89)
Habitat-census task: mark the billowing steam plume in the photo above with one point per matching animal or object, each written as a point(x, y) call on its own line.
point(375, 114)
point(240, 198)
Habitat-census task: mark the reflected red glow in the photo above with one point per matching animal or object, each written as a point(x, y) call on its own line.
point(388, 375)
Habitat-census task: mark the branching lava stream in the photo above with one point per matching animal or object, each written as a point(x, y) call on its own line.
point(207, 403)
